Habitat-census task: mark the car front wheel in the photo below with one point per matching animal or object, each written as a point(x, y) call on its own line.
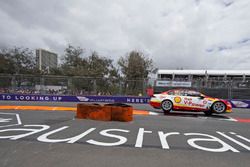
point(166, 106)
point(219, 107)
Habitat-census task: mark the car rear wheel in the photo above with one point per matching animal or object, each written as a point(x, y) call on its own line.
point(219, 107)
point(166, 106)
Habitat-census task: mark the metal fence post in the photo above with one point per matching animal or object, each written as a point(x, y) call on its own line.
point(42, 86)
point(69, 86)
point(13, 83)
point(94, 87)
point(230, 84)
point(120, 87)
point(143, 87)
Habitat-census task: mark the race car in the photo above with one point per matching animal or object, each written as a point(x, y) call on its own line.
point(189, 100)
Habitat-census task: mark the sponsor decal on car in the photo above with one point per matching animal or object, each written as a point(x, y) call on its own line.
point(189, 102)
point(177, 99)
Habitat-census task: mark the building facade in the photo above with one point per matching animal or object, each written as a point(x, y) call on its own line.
point(190, 75)
point(46, 60)
point(225, 84)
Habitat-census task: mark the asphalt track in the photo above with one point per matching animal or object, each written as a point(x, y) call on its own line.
point(178, 139)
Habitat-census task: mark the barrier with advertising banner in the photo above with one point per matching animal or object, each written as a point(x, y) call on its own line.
point(58, 98)
point(240, 103)
point(97, 99)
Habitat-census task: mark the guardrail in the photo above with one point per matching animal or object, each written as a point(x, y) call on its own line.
point(96, 99)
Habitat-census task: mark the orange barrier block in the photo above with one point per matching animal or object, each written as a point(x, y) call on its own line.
point(114, 112)
point(121, 112)
point(91, 111)
point(124, 114)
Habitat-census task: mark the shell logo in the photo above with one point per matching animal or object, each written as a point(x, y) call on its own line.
point(177, 99)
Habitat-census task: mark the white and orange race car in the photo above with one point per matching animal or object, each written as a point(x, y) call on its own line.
point(189, 100)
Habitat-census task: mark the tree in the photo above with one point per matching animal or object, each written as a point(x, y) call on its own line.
point(17, 61)
point(99, 66)
point(73, 61)
point(5, 64)
point(104, 72)
point(135, 67)
point(94, 70)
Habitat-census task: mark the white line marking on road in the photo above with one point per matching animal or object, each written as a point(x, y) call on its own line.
point(153, 113)
point(18, 119)
point(229, 119)
point(233, 140)
point(19, 122)
point(5, 120)
point(241, 137)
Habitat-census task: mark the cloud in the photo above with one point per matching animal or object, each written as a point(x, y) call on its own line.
point(193, 34)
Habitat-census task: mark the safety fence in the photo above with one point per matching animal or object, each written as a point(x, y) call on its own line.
point(82, 85)
point(71, 85)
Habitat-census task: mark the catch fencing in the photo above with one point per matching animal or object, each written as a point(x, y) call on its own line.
point(82, 85)
point(71, 85)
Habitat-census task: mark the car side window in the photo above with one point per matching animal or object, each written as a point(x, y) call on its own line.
point(182, 93)
point(171, 93)
point(185, 93)
point(194, 94)
point(178, 93)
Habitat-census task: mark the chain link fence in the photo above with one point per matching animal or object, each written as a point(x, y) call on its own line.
point(71, 85)
point(79, 85)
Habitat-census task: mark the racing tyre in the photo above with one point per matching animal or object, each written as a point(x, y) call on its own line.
point(218, 107)
point(166, 106)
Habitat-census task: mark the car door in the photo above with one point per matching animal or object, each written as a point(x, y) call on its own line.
point(178, 100)
point(194, 101)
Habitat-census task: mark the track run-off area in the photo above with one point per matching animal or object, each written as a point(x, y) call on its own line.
point(48, 134)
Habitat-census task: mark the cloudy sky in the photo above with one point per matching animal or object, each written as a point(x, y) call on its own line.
point(189, 34)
